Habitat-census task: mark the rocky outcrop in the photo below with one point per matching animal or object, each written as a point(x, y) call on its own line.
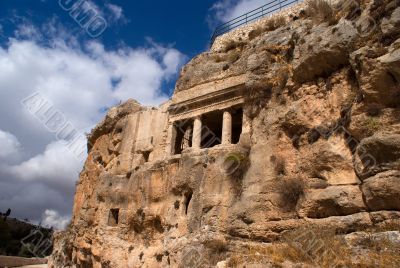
point(382, 191)
point(319, 149)
point(323, 50)
point(332, 201)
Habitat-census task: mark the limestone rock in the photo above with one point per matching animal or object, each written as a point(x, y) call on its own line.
point(332, 201)
point(364, 125)
point(323, 51)
point(390, 26)
point(378, 153)
point(377, 76)
point(292, 129)
point(112, 117)
point(382, 191)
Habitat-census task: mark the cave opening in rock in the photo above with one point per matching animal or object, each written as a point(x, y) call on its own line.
point(146, 155)
point(188, 198)
point(211, 132)
point(113, 217)
point(237, 123)
point(184, 134)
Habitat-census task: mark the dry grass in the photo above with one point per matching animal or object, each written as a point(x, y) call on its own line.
point(270, 25)
point(372, 124)
point(231, 44)
point(274, 254)
point(321, 11)
point(275, 23)
point(322, 247)
point(255, 33)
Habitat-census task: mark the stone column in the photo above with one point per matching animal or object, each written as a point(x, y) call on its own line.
point(227, 128)
point(171, 139)
point(197, 126)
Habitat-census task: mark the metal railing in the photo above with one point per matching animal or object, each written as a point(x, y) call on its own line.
point(265, 10)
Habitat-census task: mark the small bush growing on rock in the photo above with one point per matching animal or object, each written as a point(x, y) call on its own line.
point(373, 125)
point(275, 23)
point(291, 189)
point(231, 44)
point(321, 11)
point(255, 33)
point(272, 24)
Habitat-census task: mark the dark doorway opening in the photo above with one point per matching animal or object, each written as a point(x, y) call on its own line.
point(113, 217)
point(184, 135)
point(237, 123)
point(146, 155)
point(211, 132)
point(188, 198)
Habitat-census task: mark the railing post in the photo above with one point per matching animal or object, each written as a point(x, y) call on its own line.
point(280, 5)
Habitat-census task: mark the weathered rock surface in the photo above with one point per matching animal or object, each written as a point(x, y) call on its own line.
point(323, 50)
point(382, 191)
point(391, 26)
point(378, 153)
point(319, 148)
point(332, 201)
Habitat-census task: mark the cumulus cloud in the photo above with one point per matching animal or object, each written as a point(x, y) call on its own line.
point(56, 167)
point(9, 144)
point(54, 219)
point(79, 80)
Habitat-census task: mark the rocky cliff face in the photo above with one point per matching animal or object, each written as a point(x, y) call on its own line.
point(322, 153)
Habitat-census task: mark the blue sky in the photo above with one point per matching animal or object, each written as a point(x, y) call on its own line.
point(45, 52)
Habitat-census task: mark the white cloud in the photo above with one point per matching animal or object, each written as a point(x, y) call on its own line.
point(116, 12)
point(28, 31)
point(79, 83)
point(9, 144)
point(55, 167)
point(226, 10)
point(54, 219)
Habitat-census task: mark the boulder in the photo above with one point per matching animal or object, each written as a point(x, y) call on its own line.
point(378, 153)
point(332, 201)
point(382, 191)
point(391, 26)
point(330, 161)
point(323, 50)
point(378, 75)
